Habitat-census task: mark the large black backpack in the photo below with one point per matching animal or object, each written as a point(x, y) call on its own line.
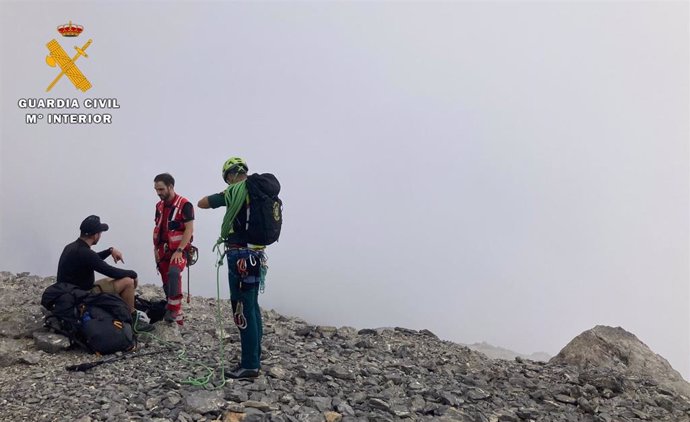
point(61, 301)
point(265, 210)
point(106, 324)
point(100, 323)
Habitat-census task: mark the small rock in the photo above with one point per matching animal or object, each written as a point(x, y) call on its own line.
point(304, 331)
point(323, 404)
point(527, 413)
point(665, 403)
point(259, 405)
point(237, 395)
point(428, 333)
point(333, 417)
point(233, 417)
point(564, 399)
point(345, 409)
point(415, 385)
point(586, 405)
point(50, 342)
point(204, 401)
point(365, 344)
point(379, 404)
point(346, 332)
point(115, 410)
point(339, 372)
point(30, 358)
point(277, 372)
point(640, 414)
point(508, 417)
point(478, 394)
point(152, 403)
point(326, 331)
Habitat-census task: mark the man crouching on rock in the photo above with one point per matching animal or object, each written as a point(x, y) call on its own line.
point(78, 263)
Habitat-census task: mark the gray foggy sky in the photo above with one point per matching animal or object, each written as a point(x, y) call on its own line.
point(501, 171)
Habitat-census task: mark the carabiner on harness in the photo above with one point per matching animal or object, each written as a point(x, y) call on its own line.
point(242, 267)
point(240, 319)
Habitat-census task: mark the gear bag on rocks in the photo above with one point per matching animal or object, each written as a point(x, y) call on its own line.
point(107, 323)
point(155, 310)
point(98, 322)
point(61, 301)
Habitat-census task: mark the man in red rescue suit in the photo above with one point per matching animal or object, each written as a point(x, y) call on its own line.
point(172, 237)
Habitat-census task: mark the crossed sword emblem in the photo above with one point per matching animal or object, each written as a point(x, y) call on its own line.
point(67, 64)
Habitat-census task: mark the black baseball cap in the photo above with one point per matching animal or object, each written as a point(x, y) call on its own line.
point(92, 225)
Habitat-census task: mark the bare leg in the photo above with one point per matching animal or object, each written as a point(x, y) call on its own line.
point(125, 288)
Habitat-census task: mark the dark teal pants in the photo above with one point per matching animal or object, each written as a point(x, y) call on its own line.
point(244, 298)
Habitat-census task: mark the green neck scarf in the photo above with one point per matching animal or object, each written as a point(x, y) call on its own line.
point(235, 197)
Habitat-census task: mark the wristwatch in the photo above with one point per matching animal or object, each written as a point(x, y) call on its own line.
point(178, 250)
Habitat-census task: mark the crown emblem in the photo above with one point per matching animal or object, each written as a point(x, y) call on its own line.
point(70, 29)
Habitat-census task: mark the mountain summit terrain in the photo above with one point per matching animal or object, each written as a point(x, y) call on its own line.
point(319, 373)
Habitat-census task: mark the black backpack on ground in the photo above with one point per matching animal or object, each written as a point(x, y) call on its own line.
point(155, 310)
point(100, 323)
point(265, 210)
point(106, 324)
point(61, 301)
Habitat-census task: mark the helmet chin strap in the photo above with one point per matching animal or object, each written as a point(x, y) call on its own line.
point(234, 174)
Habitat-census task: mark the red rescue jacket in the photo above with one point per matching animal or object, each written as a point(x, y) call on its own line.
point(172, 216)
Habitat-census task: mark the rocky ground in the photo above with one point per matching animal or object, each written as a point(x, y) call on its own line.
point(310, 373)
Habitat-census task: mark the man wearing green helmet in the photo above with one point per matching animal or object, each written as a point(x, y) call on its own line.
point(246, 264)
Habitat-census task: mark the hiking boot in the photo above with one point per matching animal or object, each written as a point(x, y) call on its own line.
point(139, 325)
point(168, 316)
point(242, 373)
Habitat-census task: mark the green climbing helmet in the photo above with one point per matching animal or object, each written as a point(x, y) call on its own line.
point(235, 165)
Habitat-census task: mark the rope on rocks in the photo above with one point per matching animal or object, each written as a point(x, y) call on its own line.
point(203, 381)
point(182, 355)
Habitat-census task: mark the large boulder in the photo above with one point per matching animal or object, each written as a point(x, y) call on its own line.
point(619, 350)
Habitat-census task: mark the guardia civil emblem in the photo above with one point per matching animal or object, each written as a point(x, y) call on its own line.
point(68, 65)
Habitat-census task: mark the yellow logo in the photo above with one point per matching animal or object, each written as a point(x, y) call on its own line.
point(276, 211)
point(67, 64)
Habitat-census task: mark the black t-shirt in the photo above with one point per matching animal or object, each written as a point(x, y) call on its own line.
point(78, 262)
point(187, 212)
